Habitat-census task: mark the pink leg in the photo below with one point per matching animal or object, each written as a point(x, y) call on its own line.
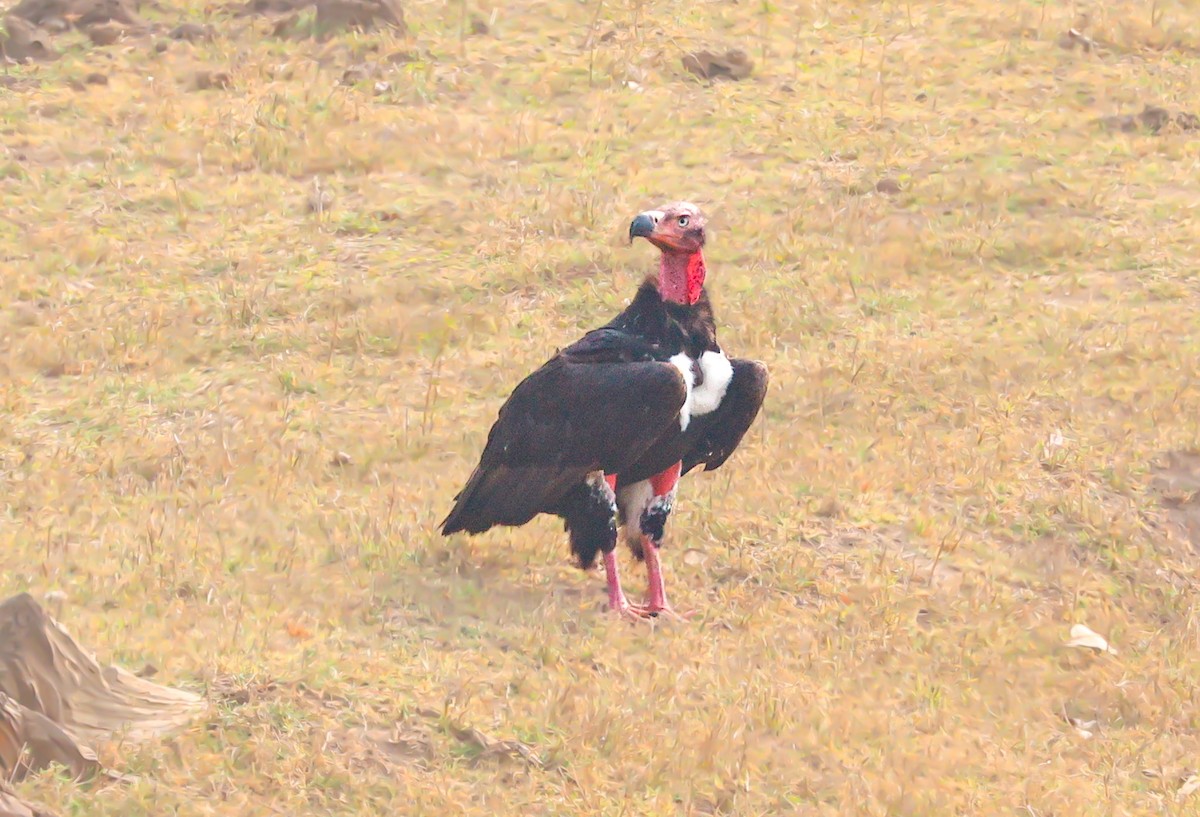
point(658, 590)
point(616, 596)
point(662, 485)
point(657, 603)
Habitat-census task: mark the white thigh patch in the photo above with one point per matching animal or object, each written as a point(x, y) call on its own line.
point(633, 500)
point(718, 371)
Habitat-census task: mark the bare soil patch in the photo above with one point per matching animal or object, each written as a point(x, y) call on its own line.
point(1176, 480)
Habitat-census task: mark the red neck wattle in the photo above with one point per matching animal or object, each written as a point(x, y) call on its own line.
point(681, 277)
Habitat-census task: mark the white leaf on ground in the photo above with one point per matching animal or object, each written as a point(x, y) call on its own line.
point(1189, 786)
point(1084, 636)
point(1083, 727)
point(1055, 441)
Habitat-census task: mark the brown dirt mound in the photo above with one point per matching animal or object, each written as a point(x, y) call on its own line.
point(358, 14)
point(253, 7)
point(43, 669)
point(80, 13)
point(30, 741)
point(10, 806)
point(29, 22)
point(56, 700)
point(330, 16)
point(22, 41)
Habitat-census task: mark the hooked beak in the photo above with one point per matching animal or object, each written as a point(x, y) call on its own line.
point(643, 226)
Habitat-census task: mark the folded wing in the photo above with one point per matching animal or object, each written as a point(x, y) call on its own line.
point(720, 433)
point(594, 407)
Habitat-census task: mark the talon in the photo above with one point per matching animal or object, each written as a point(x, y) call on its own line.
point(630, 612)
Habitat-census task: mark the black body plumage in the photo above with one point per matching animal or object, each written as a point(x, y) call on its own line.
point(609, 403)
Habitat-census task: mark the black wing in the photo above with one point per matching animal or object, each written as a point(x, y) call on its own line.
point(564, 421)
point(609, 345)
point(721, 432)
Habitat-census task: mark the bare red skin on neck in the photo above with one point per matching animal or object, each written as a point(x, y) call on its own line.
point(681, 277)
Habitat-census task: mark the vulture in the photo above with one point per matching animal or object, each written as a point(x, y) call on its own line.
point(601, 434)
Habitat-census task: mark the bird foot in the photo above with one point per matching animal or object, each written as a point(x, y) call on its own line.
point(628, 612)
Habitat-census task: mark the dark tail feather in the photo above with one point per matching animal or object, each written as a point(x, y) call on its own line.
point(469, 506)
point(587, 539)
point(589, 517)
point(500, 496)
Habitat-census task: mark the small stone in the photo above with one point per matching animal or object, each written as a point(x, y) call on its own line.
point(734, 64)
point(887, 186)
point(103, 35)
point(1187, 121)
point(191, 32)
point(356, 74)
point(1123, 123)
point(1154, 118)
point(204, 80)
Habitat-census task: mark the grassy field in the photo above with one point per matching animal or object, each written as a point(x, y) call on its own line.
point(231, 424)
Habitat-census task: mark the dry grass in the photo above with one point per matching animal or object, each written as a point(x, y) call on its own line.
point(231, 424)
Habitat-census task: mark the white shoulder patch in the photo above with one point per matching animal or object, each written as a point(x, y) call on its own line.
point(684, 364)
point(718, 371)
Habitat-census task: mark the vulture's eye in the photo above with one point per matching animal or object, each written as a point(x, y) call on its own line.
point(683, 221)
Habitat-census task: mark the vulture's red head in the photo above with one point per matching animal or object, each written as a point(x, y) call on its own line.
point(673, 228)
point(678, 231)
